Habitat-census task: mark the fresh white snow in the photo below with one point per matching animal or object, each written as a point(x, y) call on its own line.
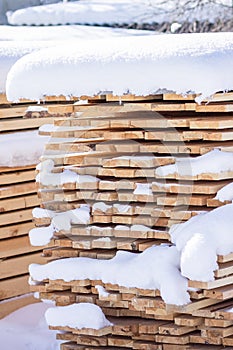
point(200, 239)
point(17, 42)
point(140, 65)
point(47, 178)
point(225, 193)
point(10, 52)
point(213, 162)
point(26, 328)
point(143, 189)
point(156, 268)
point(16, 148)
point(82, 315)
point(40, 236)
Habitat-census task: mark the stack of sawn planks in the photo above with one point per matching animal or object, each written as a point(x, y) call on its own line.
point(121, 142)
point(18, 194)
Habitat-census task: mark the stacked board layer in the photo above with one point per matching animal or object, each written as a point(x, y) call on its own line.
point(115, 149)
point(18, 194)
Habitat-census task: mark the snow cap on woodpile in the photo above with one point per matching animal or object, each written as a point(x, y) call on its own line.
point(139, 65)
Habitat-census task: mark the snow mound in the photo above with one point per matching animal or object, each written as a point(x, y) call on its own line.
point(82, 315)
point(156, 268)
point(214, 162)
point(15, 148)
point(140, 65)
point(200, 239)
point(10, 52)
point(225, 193)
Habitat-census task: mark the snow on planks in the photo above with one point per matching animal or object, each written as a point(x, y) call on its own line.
point(118, 138)
point(18, 194)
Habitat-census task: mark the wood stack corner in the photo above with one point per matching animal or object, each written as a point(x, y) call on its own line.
point(122, 144)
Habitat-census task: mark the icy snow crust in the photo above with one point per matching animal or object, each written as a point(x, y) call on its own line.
point(140, 65)
point(155, 268)
point(16, 150)
point(82, 315)
point(200, 239)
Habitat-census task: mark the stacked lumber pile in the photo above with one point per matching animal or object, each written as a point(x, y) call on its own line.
point(18, 194)
point(117, 150)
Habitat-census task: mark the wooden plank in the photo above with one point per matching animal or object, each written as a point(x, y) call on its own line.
point(198, 339)
point(17, 177)
point(212, 322)
point(212, 284)
point(13, 287)
point(18, 189)
point(211, 311)
point(5, 169)
point(17, 246)
point(170, 96)
point(193, 306)
point(15, 230)
point(188, 187)
point(28, 201)
point(222, 293)
point(215, 107)
point(172, 329)
point(211, 123)
point(224, 269)
point(184, 339)
point(216, 332)
point(225, 258)
point(131, 97)
point(24, 124)
point(188, 321)
point(19, 265)
point(16, 216)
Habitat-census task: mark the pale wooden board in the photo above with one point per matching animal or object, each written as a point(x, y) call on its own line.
point(14, 217)
point(24, 124)
point(21, 202)
point(15, 230)
point(17, 189)
point(19, 265)
point(17, 177)
point(13, 287)
point(16, 246)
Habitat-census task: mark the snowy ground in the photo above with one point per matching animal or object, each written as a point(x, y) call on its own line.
point(26, 329)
